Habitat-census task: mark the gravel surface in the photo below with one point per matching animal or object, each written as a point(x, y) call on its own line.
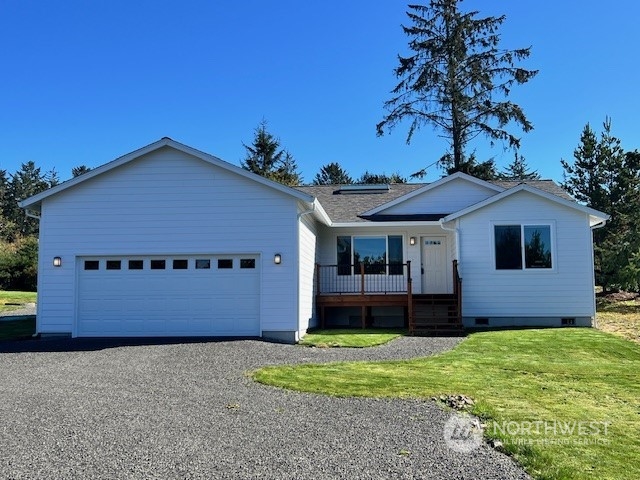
point(24, 310)
point(176, 409)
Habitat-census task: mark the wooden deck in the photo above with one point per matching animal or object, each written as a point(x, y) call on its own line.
point(425, 314)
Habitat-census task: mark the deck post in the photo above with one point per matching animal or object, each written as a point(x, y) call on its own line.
point(361, 278)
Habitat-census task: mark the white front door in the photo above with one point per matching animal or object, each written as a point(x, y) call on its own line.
point(434, 264)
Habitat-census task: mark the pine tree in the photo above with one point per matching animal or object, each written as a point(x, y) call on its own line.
point(266, 158)
point(332, 174)
point(26, 182)
point(457, 79)
point(79, 170)
point(369, 178)
point(518, 170)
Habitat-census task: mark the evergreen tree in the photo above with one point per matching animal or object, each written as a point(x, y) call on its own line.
point(369, 178)
point(518, 170)
point(603, 177)
point(79, 170)
point(332, 174)
point(28, 181)
point(52, 178)
point(266, 158)
point(457, 80)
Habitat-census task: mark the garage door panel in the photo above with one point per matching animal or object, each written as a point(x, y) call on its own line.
point(203, 301)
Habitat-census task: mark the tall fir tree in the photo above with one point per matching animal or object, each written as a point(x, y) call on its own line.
point(265, 157)
point(27, 181)
point(79, 170)
point(369, 178)
point(457, 79)
point(518, 170)
point(332, 174)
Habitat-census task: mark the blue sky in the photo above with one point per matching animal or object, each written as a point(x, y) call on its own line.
point(84, 82)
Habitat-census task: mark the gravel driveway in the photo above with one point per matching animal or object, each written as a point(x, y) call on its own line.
point(126, 409)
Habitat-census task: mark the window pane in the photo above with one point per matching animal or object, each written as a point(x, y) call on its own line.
point(203, 264)
point(344, 255)
point(91, 264)
point(247, 263)
point(395, 255)
point(180, 264)
point(537, 246)
point(113, 264)
point(372, 252)
point(157, 264)
point(135, 264)
point(508, 247)
point(225, 263)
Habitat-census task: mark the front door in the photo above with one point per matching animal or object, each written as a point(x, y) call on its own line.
point(434, 264)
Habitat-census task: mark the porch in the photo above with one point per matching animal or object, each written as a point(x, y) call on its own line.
point(366, 286)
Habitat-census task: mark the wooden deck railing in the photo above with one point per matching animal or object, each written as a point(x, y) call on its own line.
point(363, 279)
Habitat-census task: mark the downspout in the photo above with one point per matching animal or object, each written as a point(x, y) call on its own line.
point(593, 278)
point(31, 214)
point(300, 215)
point(456, 231)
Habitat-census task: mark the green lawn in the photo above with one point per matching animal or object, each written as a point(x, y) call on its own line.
point(14, 300)
point(357, 338)
point(543, 381)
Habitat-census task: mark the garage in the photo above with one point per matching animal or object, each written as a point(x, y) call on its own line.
point(172, 295)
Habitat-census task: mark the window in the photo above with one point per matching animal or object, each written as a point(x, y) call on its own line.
point(180, 264)
point(136, 264)
point(225, 263)
point(203, 264)
point(113, 264)
point(522, 245)
point(158, 264)
point(372, 252)
point(92, 265)
point(247, 263)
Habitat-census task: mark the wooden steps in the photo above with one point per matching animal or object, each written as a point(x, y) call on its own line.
point(435, 315)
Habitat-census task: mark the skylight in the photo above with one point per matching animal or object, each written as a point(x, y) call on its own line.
point(373, 188)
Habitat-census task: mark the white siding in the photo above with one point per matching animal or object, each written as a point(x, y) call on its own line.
point(167, 203)
point(564, 291)
point(306, 276)
point(447, 198)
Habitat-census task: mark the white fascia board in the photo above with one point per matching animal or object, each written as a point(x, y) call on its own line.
point(321, 214)
point(164, 142)
point(431, 186)
point(386, 224)
point(535, 191)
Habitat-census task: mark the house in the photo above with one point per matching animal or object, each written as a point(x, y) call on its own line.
point(170, 241)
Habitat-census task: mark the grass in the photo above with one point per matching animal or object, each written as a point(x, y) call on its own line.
point(563, 377)
point(355, 338)
point(620, 318)
point(14, 300)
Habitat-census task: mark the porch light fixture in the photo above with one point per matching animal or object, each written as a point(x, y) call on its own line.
point(277, 259)
point(412, 241)
point(57, 261)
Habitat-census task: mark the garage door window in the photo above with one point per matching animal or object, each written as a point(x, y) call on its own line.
point(180, 264)
point(247, 263)
point(114, 265)
point(158, 264)
point(225, 263)
point(203, 264)
point(136, 264)
point(92, 265)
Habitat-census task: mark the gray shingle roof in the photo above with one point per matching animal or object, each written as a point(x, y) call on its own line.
point(343, 208)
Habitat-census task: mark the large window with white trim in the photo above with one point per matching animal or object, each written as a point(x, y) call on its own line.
point(519, 247)
point(377, 254)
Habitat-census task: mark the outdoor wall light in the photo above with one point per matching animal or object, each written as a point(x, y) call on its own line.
point(412, 241)
point(57, 261)
point(277, 259)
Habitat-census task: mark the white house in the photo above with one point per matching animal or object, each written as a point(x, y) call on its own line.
point(171, 241)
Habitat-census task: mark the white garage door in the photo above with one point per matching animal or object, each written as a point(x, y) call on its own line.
point(169, 295)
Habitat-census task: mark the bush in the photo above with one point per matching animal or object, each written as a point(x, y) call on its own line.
point(19, 264)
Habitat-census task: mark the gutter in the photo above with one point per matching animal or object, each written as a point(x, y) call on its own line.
point(599, 225)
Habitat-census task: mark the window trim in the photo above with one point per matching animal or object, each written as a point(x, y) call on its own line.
point(529, 223)
point(386, 244)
